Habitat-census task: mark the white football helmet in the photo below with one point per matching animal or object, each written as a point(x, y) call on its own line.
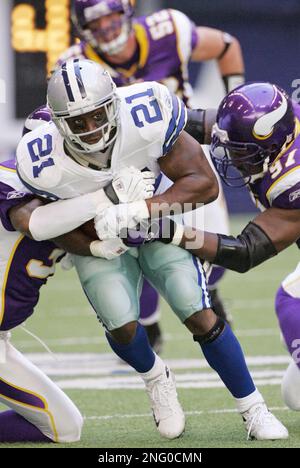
point(79, 87)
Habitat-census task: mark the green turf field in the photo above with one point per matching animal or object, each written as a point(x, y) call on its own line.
point(111, 398)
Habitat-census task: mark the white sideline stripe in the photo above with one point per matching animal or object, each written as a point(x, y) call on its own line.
point(93, 364)
point(82, 340)
point(187, 413)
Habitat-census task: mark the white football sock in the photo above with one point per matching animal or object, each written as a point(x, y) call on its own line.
point(157, 369)
point(244, 404)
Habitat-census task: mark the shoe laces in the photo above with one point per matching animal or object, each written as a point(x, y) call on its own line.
point(260, 415)
point(163, 393)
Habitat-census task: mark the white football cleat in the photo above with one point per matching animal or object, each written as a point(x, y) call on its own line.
point(261, 424)
point(167, 412)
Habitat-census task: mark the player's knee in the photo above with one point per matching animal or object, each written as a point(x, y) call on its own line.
point(124, 334)
point(201, 322)
point(183, 293)
point(70, 428)
point(290, 387)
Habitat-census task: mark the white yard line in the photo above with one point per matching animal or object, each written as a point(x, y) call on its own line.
point(104, 371)
point(206, 380)
point(187, 413)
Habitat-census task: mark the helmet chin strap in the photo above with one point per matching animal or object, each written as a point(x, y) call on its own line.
point(99, 160)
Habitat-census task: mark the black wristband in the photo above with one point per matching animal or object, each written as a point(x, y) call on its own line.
point(111, 194)
point(232, 81)
point(195, 125)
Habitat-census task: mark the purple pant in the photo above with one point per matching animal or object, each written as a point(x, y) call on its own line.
point(217, 273)
point(148, 301)
point(288, 312)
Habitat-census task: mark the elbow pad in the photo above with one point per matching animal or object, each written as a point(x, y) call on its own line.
point(195, 125)
point(251, 248)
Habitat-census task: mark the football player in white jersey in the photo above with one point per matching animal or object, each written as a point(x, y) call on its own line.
point(96, 130)
point(158, 47)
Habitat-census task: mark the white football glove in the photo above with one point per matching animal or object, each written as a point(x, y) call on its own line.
point(67, 262)
point(111, 221)
point(109, 249)
point(130, 184)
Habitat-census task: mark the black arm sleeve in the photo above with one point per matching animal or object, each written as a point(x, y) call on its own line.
point(195, 125)
point(251, 248)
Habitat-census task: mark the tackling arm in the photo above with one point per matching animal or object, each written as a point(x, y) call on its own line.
point(268, 234)
point(43, 222)
point(199, 124)
point(75, 242)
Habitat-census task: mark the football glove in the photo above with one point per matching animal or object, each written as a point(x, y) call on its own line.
point(111, 221)
point(165, 230)
point(129, 185)
point(108, 249)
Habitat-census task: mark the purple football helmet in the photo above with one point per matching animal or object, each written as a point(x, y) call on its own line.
point(255, 122)
point(38, 117)
point(86, 11)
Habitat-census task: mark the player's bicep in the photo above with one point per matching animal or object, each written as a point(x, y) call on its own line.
point(281, 225)
point(185, 158)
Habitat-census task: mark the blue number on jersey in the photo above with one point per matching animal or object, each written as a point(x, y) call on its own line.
point(40, 148)
point(144, 109)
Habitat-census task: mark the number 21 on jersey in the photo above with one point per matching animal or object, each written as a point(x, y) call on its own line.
point(40, 148)
point(147, 111)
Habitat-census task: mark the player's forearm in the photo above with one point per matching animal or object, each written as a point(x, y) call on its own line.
point(75, 242)
point(202, 244)
point(249, 249)
point(185, 194)
point(61, 217)
point(231, 66)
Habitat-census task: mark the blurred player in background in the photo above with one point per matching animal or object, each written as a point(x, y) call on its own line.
point(158, 47)
point(258, 132)
point(95, 130)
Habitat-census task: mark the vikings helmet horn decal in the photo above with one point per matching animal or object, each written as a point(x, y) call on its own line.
point(264, 126)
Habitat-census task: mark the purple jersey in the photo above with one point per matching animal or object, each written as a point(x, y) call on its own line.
point(280, 186)
point(25, 264)
point(166, 40)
